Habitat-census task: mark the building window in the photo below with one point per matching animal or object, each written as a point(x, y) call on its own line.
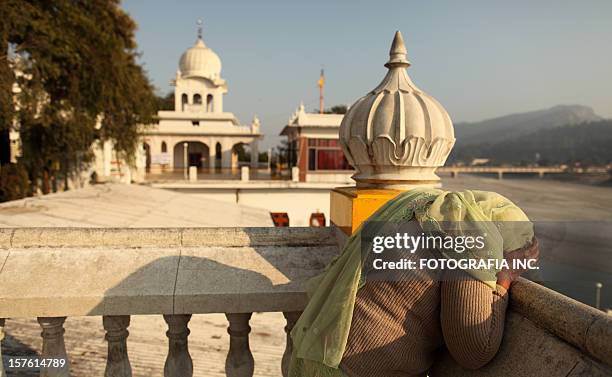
point(197, 99)
point(184, 101)
point(195, 123)
point(164, 147)
point(326, 154)
point(209, 103)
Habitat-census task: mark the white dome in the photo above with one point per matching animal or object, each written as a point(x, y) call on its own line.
point(396, 135)
point(200, 61)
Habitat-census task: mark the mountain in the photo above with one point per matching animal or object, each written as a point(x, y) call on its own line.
point(589, 143)
point(513, 126)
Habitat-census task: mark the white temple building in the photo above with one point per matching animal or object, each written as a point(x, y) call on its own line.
point(198, 132)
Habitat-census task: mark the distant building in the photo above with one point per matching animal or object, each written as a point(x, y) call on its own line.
point(198, 131)
point(479, 161)
point(313, 147)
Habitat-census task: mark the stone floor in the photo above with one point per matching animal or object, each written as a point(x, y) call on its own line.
point(134, 206)
point(137, 206)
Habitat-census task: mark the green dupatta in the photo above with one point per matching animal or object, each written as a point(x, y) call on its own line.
point(321, 333)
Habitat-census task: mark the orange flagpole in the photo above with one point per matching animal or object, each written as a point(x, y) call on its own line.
point(321, 84)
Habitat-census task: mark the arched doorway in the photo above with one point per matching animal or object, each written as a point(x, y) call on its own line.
point(218, 153)
point(197, 154)
point(241, 154)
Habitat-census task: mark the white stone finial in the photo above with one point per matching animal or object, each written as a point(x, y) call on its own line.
point(301, 107)
point(396, 135)
point(397, 54)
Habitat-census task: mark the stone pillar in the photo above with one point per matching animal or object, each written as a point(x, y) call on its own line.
point(244, 174)
point(107, 152)
point(226, 155)
point(193, 174)
point(295, 174)
point(383, 138)
point(239, 362)
point(211, 155)
point(117, 361)
point(178, 363)
point(53, 346)
point(2, 373)
point(185, 159)
point(218, 101)
point(254, 154)
point(269, 158)
point(291, 318)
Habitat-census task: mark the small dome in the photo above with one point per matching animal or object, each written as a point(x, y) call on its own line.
point(200, 61)
point(396, 135)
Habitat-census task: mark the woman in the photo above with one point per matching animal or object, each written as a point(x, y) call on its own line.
point(358, 326)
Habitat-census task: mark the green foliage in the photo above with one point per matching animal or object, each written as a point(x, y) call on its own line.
point(241, 153)
point(14, 183)
point(79, 64)
point(338, 109)
point(166, 102)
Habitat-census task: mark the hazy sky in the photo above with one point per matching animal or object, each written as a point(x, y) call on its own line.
point(480, 59)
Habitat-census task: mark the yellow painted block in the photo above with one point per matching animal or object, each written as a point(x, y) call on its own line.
point(350, 206)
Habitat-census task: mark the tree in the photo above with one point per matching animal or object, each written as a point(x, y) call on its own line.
point(166, 102)
point(76, 64)
point(338, 109)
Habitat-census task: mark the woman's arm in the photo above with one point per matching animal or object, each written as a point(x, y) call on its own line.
point(472, 317)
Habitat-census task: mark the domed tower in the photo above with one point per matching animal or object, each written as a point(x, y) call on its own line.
point(396, 135)
point(199, 86)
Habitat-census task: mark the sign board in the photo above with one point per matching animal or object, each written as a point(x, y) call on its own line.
point(161, 159)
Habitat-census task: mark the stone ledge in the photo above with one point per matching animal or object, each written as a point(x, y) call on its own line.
point(233, 270)
point(578, 324)
point(163, 237)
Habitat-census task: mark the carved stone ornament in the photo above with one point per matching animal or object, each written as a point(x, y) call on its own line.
point(396, 135)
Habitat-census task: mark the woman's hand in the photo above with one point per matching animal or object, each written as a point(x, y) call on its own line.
point(507, 276)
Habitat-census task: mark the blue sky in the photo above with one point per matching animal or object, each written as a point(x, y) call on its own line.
point(480, 59)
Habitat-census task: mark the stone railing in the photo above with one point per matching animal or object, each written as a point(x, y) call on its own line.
point(114, 273)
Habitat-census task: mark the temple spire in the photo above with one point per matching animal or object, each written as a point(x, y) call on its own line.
point(397, 54)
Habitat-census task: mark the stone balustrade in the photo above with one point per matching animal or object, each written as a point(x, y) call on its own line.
point(116, 273)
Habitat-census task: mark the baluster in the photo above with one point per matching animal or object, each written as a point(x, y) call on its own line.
point(53, 346)
point(117, 361)
point(2, 374)
point(239, 361)
point(178, 362)
point(291, 318)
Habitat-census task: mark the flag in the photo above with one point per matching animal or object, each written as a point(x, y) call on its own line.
point(321, 80)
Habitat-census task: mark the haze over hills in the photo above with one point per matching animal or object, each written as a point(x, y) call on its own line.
point(516, 125)
point(559, 135)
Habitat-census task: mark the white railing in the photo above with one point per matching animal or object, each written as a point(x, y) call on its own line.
point(115, 273)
